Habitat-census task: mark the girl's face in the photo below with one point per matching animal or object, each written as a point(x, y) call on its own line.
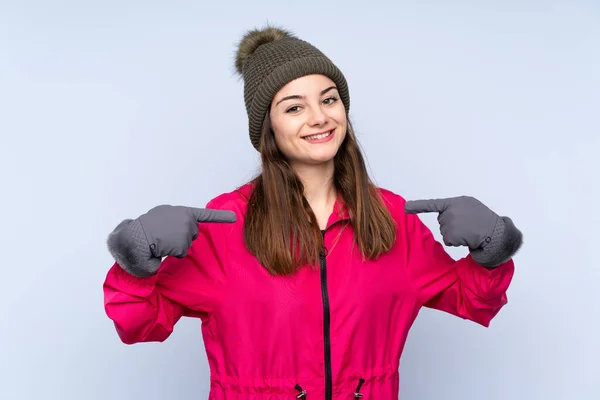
point(308, 120)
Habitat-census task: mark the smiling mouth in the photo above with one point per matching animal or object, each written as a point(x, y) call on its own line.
point(318, 136)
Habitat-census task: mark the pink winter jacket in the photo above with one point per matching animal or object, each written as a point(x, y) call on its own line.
point(333, 332)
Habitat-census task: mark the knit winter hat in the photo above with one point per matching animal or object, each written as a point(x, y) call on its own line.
point(269, 58)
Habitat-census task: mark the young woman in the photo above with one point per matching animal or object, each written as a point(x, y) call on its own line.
point(308, 278)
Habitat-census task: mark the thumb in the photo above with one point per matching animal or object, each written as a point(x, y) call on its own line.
point(429, 205)
point(210, 215)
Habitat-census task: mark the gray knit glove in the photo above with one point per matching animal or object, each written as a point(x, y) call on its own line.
point(465, 221)
point(139, 245)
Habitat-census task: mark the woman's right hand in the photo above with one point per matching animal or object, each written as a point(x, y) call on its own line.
point(139, 245)
point(170, 230)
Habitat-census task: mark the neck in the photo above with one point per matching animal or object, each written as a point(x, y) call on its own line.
point(319, 189)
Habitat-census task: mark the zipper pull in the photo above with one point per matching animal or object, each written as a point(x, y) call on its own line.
point(357, 394)
point(302, 394)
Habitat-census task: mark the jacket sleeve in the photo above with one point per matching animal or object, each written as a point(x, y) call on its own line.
point(147, 309)
point(460, 287)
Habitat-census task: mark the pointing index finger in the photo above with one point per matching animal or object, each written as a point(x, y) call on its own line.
point(211, 215)
point(426, 205)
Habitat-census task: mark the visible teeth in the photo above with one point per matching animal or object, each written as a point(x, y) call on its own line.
point(319, 136)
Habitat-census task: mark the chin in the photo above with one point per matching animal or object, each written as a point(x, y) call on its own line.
point(316, 156)
point(321, 158)
point(320, 161)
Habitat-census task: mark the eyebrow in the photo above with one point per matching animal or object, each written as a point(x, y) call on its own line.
point(297, 96)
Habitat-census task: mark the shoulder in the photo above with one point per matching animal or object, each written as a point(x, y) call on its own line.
point(395, 203)
point(392, 200)
point(235, 200)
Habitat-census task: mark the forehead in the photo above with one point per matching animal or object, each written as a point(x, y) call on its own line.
point(305, 86)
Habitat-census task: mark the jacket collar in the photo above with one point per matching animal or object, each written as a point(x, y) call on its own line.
point(340, 211)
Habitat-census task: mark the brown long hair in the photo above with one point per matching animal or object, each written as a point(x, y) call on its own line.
point(280, 228)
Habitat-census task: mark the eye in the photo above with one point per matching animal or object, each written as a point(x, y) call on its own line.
point(293, 109)
point(330, 100)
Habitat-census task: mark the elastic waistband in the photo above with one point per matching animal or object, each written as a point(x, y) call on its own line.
point(350, 384)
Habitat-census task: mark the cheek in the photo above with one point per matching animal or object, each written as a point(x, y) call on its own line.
point(281, 137)
point(284, 141)
point(343, 125)
point(280, 142)
point(284, 131)
point(340, 117)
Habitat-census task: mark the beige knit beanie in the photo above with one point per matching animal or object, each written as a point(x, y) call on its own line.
point(269, 58)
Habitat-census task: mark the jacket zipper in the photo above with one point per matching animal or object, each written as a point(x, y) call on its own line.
point(326, 323)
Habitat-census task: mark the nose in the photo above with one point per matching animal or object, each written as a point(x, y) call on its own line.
point(317, 116)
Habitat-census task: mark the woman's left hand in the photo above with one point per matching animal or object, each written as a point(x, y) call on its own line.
point(464, 220)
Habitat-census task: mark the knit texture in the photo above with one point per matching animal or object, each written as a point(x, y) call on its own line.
point(272, 65)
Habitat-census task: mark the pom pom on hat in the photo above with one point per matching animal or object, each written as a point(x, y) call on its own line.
point(255, 38)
